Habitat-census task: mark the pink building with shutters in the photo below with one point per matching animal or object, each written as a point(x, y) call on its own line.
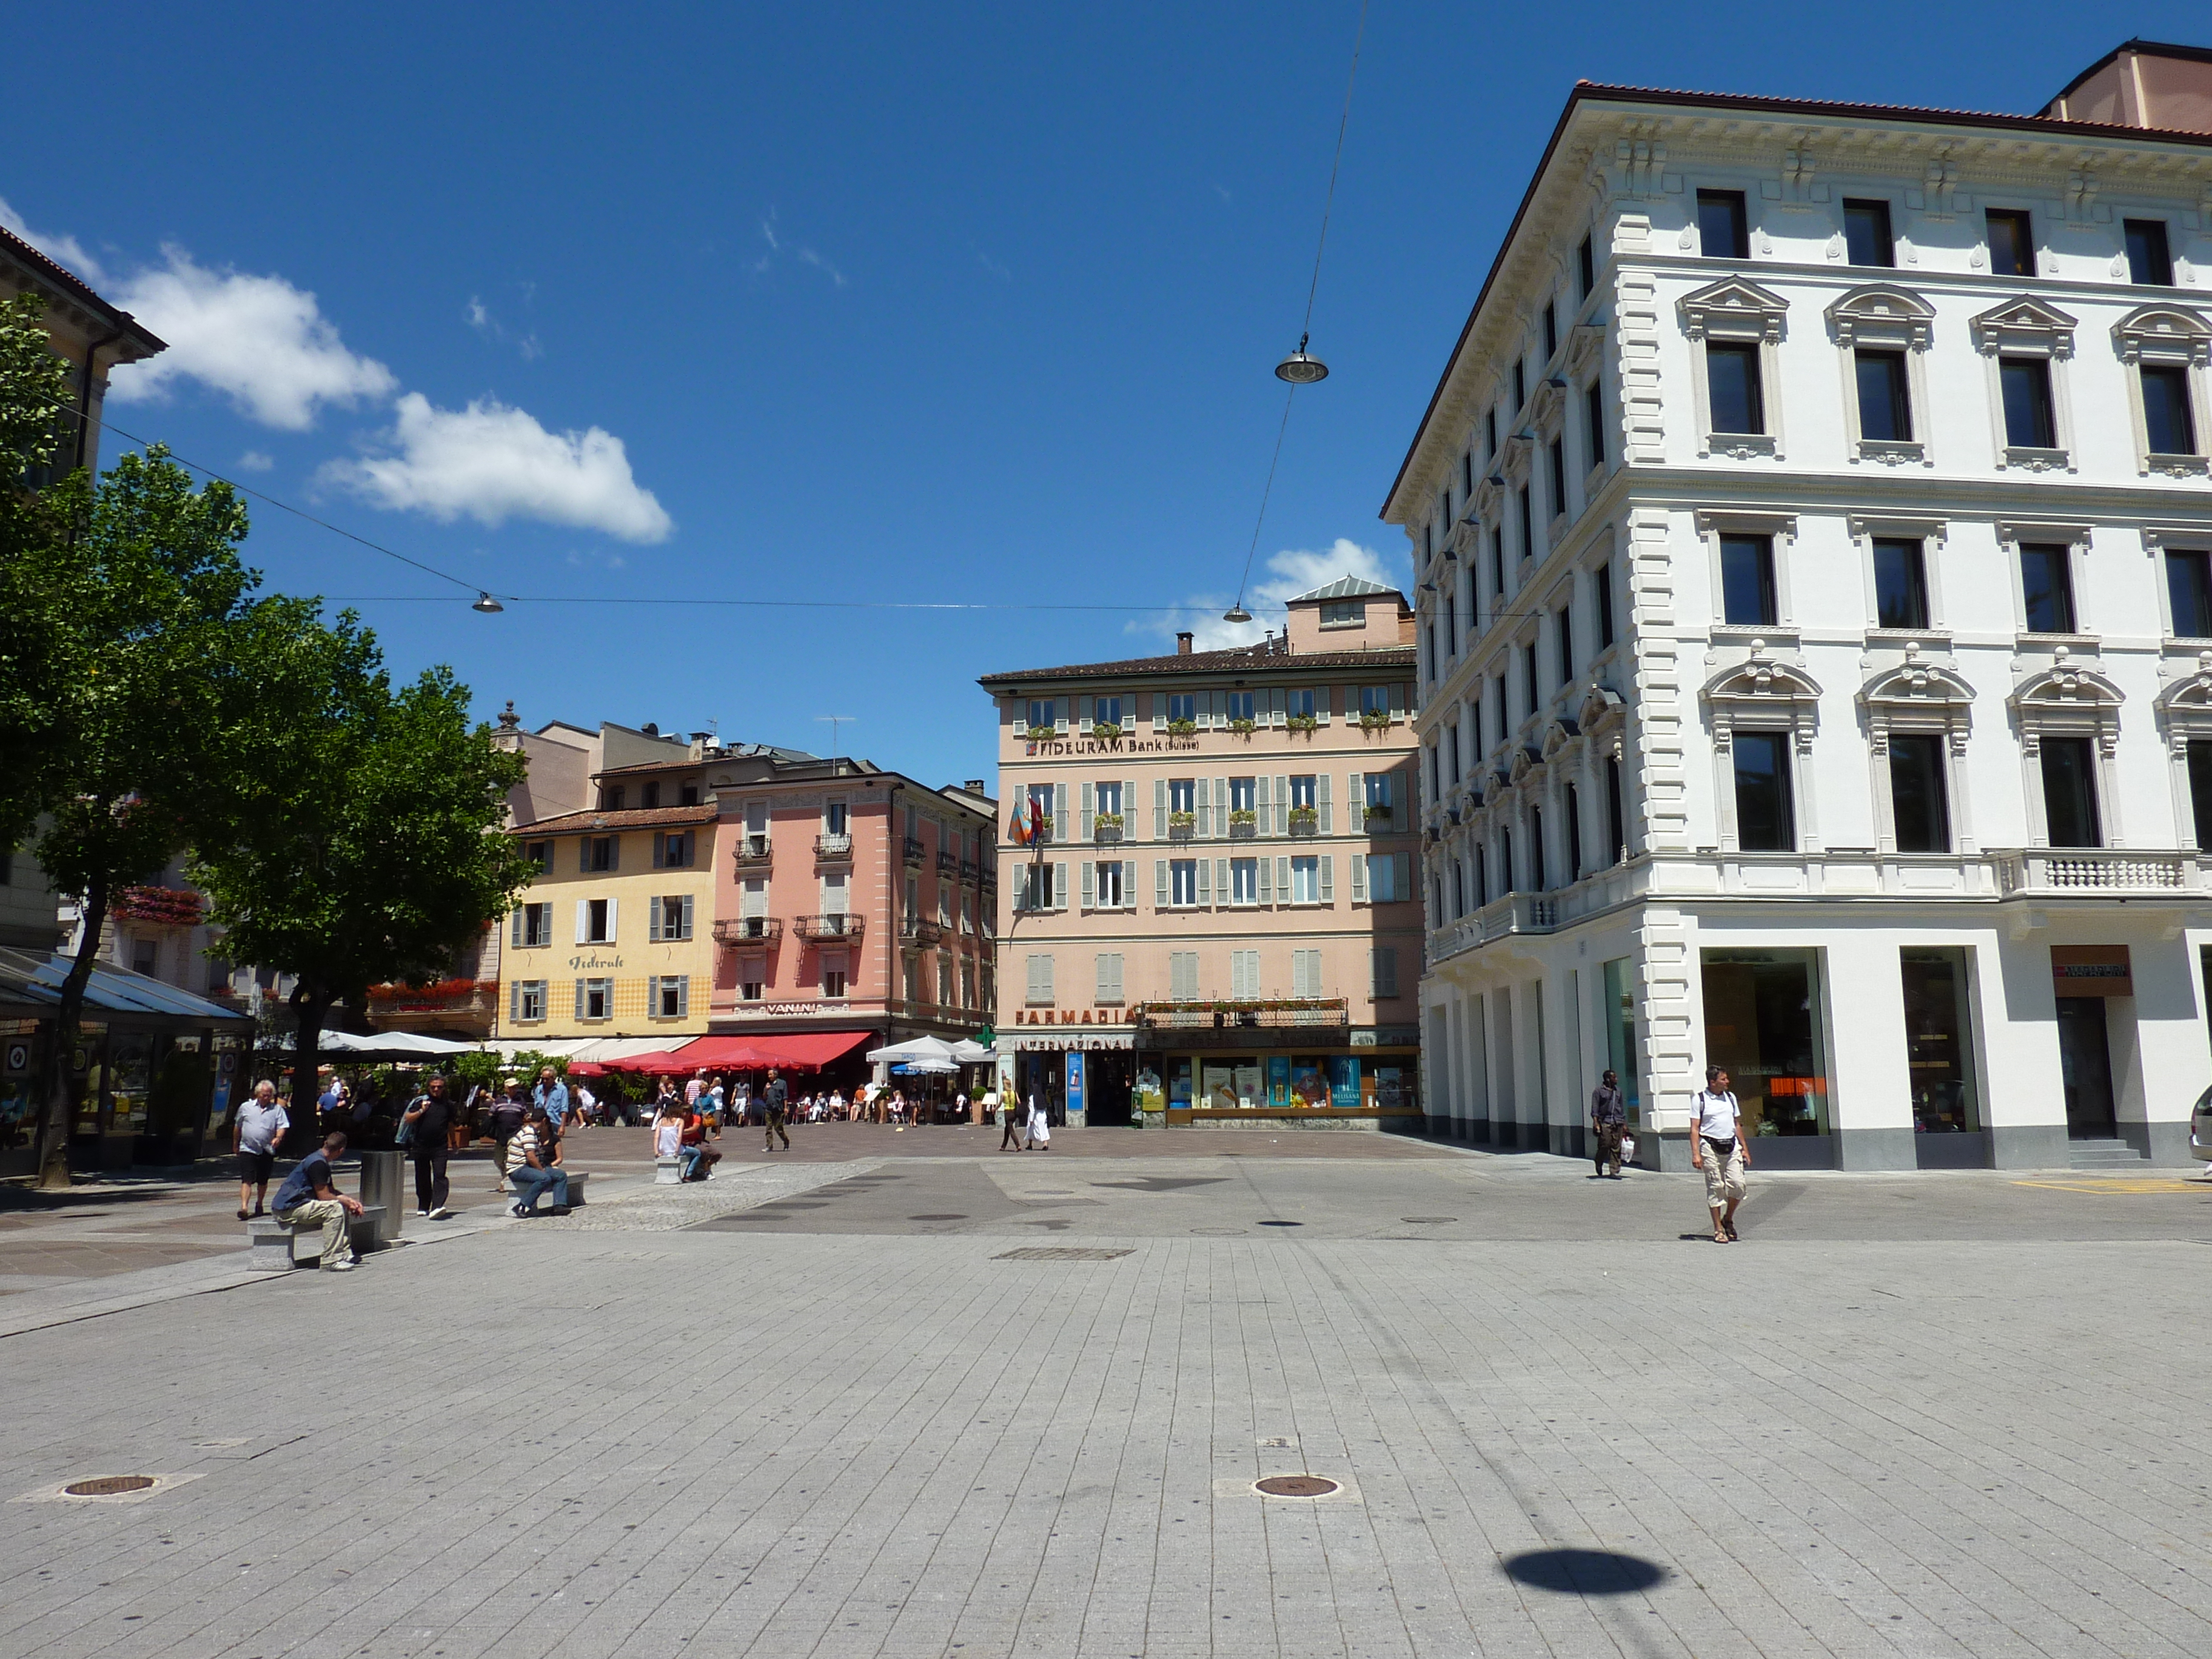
point(1220, 924)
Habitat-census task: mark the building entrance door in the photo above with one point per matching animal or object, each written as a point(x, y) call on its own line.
point(1108, 1078)
point(2085, 1061)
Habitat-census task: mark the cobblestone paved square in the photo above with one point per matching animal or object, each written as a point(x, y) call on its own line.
point(1904, 1417)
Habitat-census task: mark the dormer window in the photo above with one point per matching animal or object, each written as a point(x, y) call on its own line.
point(1344, 613)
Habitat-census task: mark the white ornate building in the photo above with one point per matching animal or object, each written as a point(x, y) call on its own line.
point(1814, 553)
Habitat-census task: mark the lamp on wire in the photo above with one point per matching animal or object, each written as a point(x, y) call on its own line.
point(487, 605)
point(1236, 613)
point(1298, 369)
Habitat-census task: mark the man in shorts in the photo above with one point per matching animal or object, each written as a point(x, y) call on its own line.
point(254, 1133)
point(1717, 1146)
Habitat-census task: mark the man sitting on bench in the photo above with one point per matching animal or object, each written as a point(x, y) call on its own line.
point(308, 1198)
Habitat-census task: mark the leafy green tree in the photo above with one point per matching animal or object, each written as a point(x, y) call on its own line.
point(372, 850)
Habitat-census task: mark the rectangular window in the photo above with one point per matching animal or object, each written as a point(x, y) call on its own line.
point(2026, 385)
point(2168, 423)
point(1244, 881)
point(1529, 674)
point(595, 998)
point(1110, 800)
point(1900, 584)
point(2069, 793)
point(1106, 711)
point(1593, 418)
point(598, 916)
point(2012, 243)
point(834, 982)
point(1498, 563)
point(537, 926)
point(1616, 823)
point(1558, 455)
point(1565, 624)
point(1039, 986)
point(1920, 806)
point(2046, 587)
point(836, 819)
point(752, 979)
point(598, 852)
point(688, 795)
point(2189, 586)
point(2200, 791)
point(539, 853)
point(671, 993)
point(611, 798)
point(1182, 882)
point(1182, 975)
point(673, 916)
point(1867, 240)
point(1585, 269)
point(1240, 705)
point(1603, 577)
point(1489, 432)
point(1110, 886)
point(1386, 972)
point(1109, 978)
point(1573, 798)
point(673, 851)
point(1383, 878)
point(1550, 330)
point(1520, 386)
point(1938, 1047)
point(530, 1000)
point(1724, 232)
point(1733, 388)
point(1748, 582)
point(1765, 816)
point(2149, 264)
point(1182, 708)
point(1299, 705)
point(1305, 881)
point(1041, 714)
point(1765, 1014)
point(1885, 403)
point(1344, 613)
point(649, 795)
point(1302, 792)
point(1241, 794)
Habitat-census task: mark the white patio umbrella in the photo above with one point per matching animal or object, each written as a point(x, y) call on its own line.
point(920, 1048)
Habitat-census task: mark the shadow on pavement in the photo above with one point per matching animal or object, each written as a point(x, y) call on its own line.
point(1583, 1572)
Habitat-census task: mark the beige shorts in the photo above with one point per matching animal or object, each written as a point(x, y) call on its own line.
point(1723, 1175)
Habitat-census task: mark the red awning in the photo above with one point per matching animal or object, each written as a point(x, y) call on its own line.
point(660, 1059)
point(804, 1051)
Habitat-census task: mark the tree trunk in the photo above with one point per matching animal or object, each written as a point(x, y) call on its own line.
point(69, 1014)
point(309, 1009)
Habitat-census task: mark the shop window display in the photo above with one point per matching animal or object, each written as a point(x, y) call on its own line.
point(1622, 1053)
point(1764, 1015)
point(1937, 1042)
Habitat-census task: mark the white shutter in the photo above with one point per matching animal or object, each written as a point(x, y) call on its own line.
point(652, 921)
point(1060, 715)
point(1221, 807)
point(1282, 881)
point(580, 998)
point(1206, 881)
point(1402, 874)
point(686, 934)
point(1275, 716)
point(514, 938)
point(1263, 817)
point(1359, 877)
point(1129, 810)
point(1282, 806)
point(1129, 884)
point(653, 996)
point(583, 854)
point(1397, 700)
point(1059, 885)
point(659, 849)
point(1355, 802)
point(1089, 809)
point(1327, 813)
point(1221, 887)
point(1159, 884)
point(1202, 799)
point(1059, 825)
point(1159, 809)
point(614, 933)
point(583, 920)
point(1159, 700)
point(1216, 708)
point(1089, 887)
point(514, 1000)
point(1266, 883)
point(1328, 878)
point(614, 854)
point(683, 996)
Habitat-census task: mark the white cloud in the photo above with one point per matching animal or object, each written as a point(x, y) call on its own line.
point(491, 462)
point(64, 251)
point(1293, 571)
point(804, 254)
point(254, 461)
point(260, 340)
point(481, 319)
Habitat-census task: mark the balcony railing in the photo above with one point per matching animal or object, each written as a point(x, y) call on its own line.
point(1106, 834)
point(913, 849)
point(2089, 871)
point(1308, 825)
point(748, 930)
point(989, 878)
point(833, 846)
point(1273, 1012)
point(754, 853)
point(948, 864)
point(1516, 912)
point(1244, 828)
point(970, 869)
point(919, 930)
point(828, 926)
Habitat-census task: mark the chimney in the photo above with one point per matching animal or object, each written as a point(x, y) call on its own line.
point(1182, 644)
point(974, 785)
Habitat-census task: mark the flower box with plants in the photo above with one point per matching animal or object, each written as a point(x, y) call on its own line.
point(1107, 826)
point(1304, 722)
point(1377, 814)
point(1105, 729)
point(1304, 820)
point(1042, 733)
point(1374, 719)
point(1243, 823)
point(1243, 729)
point(1183, 728)
point(1182, 824)
point(160, 906)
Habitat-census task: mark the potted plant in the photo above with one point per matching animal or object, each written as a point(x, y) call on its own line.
point(1377, 813)
point(1042, 733)
point(1107, 826)
point(1105, 729)
point(1183, 728)
point(1374, 719)
point(1304, 820)
point(1243, 729)
point(1182, 823)
point(1243, 817)
point(1304, 722)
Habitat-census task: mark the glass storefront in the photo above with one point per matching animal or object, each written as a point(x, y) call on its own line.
point(1622, 1055)
point(1938, 1043)
point(1763, 1026)
point(1377, 1080)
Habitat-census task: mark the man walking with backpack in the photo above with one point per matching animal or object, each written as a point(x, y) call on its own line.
point(1717, 1146)
point(425, 1120)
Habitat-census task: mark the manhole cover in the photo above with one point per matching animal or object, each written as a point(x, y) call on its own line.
point(1295, 1485)
point(1418, 1219)
point(1062, 1253)
point(107, 1485)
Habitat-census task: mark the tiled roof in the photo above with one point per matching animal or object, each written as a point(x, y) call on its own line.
point(80, 290)
point(1348, 587)
point(645, 818)
point(1249, 659)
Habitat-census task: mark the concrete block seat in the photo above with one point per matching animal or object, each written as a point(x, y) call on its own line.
point(275, 1248)
point(577, 1180)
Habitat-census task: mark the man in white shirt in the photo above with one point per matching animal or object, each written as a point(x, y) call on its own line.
point(254, 1134)
point(1717, 1146)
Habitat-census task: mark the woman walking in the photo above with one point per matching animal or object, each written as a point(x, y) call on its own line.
point(1040, 1126)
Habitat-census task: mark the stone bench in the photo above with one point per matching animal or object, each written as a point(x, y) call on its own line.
point(577, 1179)
point(667, 1171)
point(275, 1247)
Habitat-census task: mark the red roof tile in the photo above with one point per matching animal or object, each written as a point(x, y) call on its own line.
point(652, 817)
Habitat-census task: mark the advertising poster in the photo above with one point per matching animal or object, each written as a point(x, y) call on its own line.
point(1344, 1082)
point(1309, 1082)
point(1250, 1082)
point(1278, 1081)
point(1150, 1096)
point(1074, 1083)
point(1219, 1083)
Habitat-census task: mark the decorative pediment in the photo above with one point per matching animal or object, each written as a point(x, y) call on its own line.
point(2185, 705)
point(2163, 333)
point(1487, 493)
point(2025, 322)
point(1762, 678)
point(2067, 688)
point(1558, 735)
point(1735, 308)
point(1547, 404)
point(1881, 315)
point(1526, 759)
point(1585, 341)
point(1600, 705)
point(1916, 683)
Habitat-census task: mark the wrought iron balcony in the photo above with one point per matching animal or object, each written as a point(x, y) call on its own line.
point(754, 853)
point(948, 864)
point(833, 846)
point(748, 930)
point(970, 869)
point(913, 849)
point(829, 927)
point(919, 930)
point(1268, 1013)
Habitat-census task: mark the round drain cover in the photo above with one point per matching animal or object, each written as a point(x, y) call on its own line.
point(107, 1485)
point(1295, 1485)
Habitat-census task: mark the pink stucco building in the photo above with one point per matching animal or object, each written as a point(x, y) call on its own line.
point(1219, 924)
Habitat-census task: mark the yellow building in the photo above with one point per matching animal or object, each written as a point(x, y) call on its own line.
point(615, 937)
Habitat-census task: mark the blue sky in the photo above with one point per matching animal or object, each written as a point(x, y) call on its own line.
point(681, 304)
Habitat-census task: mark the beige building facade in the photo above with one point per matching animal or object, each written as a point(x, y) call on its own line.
point(1208, 909)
